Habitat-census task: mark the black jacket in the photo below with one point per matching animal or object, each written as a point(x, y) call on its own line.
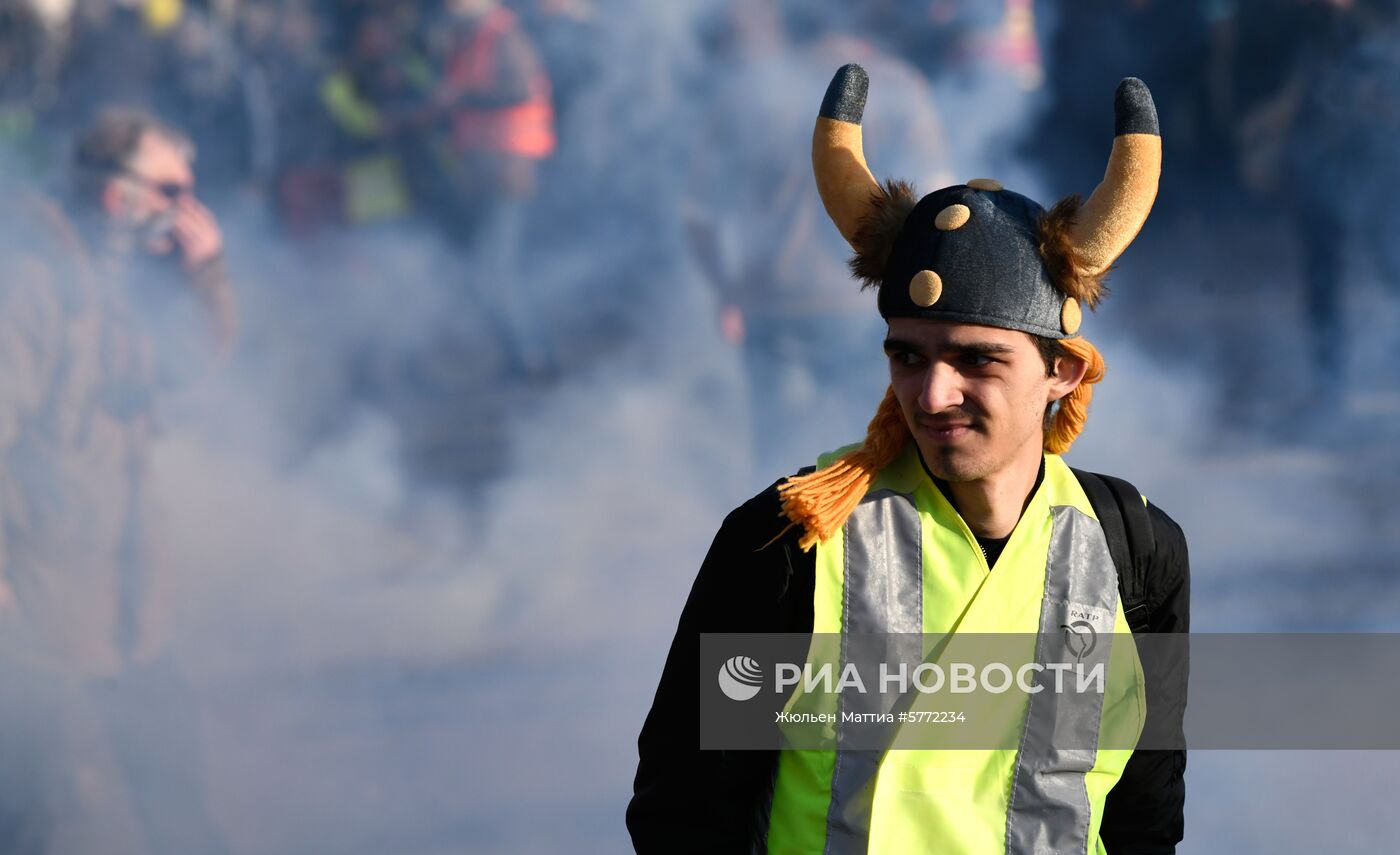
point(687, 800)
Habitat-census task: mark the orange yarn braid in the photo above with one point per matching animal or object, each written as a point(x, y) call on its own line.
point(821, 501)
point(1074, 407)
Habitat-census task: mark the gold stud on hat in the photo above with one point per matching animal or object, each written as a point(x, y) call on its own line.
point(925, 288)
point(952, 217)
point(989, 184)
point(1070, 316)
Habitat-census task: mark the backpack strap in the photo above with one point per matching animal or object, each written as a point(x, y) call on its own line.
point(1128, 529)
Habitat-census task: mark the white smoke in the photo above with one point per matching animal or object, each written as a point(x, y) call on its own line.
point(385, 665)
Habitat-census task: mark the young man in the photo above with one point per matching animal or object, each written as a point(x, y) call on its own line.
point(955, 515)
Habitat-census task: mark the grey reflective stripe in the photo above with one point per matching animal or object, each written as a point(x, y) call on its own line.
point(882, 592)
point(1049, 807)
point(883, 586)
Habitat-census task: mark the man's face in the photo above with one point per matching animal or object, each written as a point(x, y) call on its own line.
point(145, 199)
point(974, 396)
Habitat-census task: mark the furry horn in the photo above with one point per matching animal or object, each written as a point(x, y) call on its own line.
point(845, 183)
point(1114, 214)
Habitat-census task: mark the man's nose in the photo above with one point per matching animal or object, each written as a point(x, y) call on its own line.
point(942, 388)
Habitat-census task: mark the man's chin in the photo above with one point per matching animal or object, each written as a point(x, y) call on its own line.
point(951, 463)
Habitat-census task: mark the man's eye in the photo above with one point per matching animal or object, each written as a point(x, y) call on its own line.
point(977, 360)
point(904, 357)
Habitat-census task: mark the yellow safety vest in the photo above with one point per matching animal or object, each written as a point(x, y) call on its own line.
point(906, 562)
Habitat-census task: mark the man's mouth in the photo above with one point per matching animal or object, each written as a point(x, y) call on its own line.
point(946, 431)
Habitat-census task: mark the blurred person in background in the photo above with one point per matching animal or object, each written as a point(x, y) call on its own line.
point(493, 101)
point(116, 51)
point(1322, 141)
point(951, 40)
point(28, 53)
point(492, 110)
point(755, 227)
point(173, 58)
point(132, 200)
point(1166, 42)
point(101, 748)
point(381, 77)
point(288, 43)
point(224, 102)
point(565, 32)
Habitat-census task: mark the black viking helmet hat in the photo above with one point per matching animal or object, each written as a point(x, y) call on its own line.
point(975, 252)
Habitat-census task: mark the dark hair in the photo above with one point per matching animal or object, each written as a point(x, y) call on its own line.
point(1050, 350)
point(106, 148)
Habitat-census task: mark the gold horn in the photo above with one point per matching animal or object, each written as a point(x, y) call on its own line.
point(845, 183)
point(1114, 214)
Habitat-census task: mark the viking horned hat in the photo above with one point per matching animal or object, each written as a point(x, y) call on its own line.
point(973, 253)
point(976, 252)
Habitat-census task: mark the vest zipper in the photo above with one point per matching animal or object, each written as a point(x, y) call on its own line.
point(972, 539)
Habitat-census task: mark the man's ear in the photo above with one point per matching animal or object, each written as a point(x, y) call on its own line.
point(1069, 372)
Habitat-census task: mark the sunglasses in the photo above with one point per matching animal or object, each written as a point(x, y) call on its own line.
point(171, 190)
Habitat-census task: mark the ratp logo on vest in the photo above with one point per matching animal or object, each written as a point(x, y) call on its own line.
point(1080, 638)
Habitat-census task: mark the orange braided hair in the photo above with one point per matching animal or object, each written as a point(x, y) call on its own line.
point(821, 501)
point(1074, 407)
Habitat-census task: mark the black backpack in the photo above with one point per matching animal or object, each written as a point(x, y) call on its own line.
point(1128, 528)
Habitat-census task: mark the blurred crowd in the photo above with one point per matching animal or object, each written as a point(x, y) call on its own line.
point(470, 120)
point(155, 154)
point(337, 113)
point(1279, 182)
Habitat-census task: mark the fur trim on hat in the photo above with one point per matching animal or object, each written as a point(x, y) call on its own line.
point(1067, 270)
point(879, 227)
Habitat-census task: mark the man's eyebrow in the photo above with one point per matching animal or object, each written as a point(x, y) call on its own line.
point(981, 348)
point(987, 348)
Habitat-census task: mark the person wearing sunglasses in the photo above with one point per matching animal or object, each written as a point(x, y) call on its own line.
point(109, 297)
point(133, 195)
